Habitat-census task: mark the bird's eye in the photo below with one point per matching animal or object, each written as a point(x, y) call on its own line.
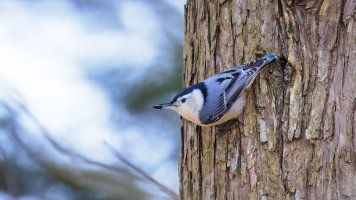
point(183, 100)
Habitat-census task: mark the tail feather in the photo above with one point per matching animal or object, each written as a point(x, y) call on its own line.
point(269, 58)
point(259, 64)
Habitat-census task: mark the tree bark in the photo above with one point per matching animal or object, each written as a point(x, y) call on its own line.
point(296, 138)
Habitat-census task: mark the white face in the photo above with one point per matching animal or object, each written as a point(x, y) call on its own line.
point(189, 105)
point(184, 102)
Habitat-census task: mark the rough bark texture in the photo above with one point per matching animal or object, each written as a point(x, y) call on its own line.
point(296, 138)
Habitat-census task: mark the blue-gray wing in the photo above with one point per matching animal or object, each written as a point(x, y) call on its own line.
point(225, 88)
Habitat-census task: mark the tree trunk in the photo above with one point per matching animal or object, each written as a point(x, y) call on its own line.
point(296, 138)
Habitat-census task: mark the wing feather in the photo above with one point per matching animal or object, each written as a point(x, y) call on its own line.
point(232, 84)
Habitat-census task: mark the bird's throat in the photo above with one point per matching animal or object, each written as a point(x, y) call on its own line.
point(193, 117)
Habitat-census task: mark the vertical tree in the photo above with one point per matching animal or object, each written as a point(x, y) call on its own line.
point(296, 138)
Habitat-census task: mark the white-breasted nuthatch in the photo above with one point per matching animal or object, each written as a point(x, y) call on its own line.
point(220, 97)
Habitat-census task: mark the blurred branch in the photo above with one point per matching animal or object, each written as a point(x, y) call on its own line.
point(70, 173)
point(5, 174)
point(70, 153)
point(111, 181)
point(162, 187)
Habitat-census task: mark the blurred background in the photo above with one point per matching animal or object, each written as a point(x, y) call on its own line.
point(78, 79)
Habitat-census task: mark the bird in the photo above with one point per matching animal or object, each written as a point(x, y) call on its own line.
point(219, 98)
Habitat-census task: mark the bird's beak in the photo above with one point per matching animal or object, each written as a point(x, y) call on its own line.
point(164, 106)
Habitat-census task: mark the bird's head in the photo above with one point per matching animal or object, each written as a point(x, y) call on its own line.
point(187, 103)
